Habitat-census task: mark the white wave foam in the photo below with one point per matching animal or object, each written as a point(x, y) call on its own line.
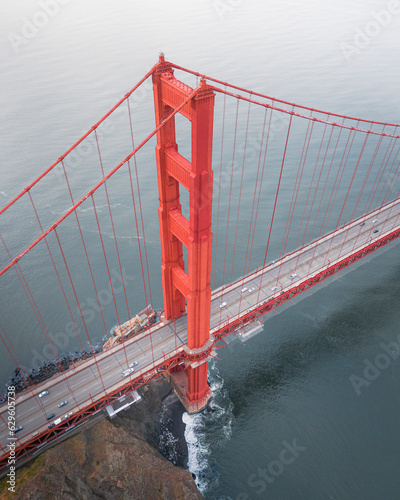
point(208, 431)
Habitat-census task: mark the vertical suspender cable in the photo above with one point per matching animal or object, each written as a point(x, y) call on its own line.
point(85, 249)
point(37, 314)
point(381, 172)
point(366, 177)
point(393, 182)
point(56, 271)
point(254, 198)
point(260, 190)
point(277, 191)
point(137, 232)
point(388, 174)
point(112, 225)
point(79, 305)
point(105, 257)
point(255, 188)
point(311, 185)
point(140, 206)
point(28, 380)
point(108, 269)
point(327, 177)
point(296, 190)
point(33, 305)
point(341, 170)
point(275, 203)
point(318, 182)
point(240, 191)
point(352, 178)
point(302, 170)
point(230, 190)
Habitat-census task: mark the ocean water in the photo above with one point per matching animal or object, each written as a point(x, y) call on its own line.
point(289, 419)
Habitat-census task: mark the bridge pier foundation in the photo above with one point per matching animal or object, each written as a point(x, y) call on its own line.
point(185, 383)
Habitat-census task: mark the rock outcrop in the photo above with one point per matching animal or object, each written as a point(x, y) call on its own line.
point(114, 459)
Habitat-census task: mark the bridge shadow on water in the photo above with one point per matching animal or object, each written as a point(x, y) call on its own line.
point(339, 323)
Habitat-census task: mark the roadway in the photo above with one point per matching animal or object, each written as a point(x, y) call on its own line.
point(81, 384)
point(234, 300)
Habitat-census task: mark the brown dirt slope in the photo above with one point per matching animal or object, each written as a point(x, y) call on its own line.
point(112, 460)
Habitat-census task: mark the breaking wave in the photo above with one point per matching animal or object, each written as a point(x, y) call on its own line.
point(206, 432)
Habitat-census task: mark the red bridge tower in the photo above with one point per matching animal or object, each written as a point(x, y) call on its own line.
point(186, 290)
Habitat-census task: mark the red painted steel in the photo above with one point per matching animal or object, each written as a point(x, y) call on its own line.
point(227, 328)
point(274, 99)
point(126, 96)
point(194, 286)
point(178, 360)
point(190, 288)
point(96, 404)
point(93, 190)
point(311, 118)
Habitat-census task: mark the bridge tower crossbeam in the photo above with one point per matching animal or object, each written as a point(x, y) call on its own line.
point(186, 290)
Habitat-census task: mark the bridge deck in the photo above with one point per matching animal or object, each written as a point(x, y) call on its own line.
point(81, 385)
point(296, 268)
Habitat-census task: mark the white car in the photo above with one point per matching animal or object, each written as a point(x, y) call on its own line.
point(134, 363)
point(292, 276)
point(274, 288)
point(222, 305)
point(251, 290)
point(127, 372)
point(44, 393)
point(244, 289)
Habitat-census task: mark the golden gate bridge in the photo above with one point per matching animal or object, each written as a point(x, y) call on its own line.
point(258, 200)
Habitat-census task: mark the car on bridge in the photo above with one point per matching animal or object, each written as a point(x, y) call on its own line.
point(375, 231)
point(222, 305)
point(19, 428)
point(63, 403)
point(134, 363)
point(43, 393)
point(127, 372)
point(52, 415)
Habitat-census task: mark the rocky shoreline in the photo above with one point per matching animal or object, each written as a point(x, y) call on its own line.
point(47, 370)
point(140, 454)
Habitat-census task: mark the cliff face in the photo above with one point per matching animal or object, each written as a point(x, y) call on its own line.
point(111, 460)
